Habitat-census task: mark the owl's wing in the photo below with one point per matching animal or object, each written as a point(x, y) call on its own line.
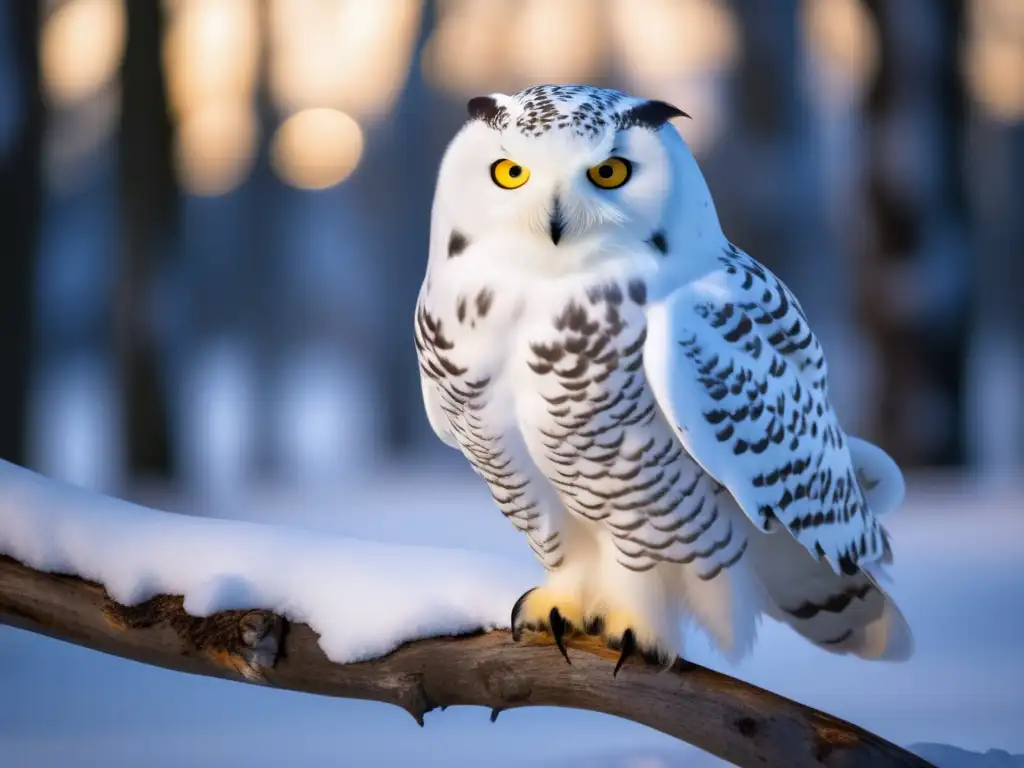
point(432, 402)
point(435, 412)
point(739, 374)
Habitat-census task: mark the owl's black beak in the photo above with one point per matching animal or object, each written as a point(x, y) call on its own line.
point(557, 223)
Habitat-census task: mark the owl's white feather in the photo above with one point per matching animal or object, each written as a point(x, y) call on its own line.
point(646, 402)
point(742, 378)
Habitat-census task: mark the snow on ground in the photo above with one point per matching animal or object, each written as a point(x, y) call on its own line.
point(946, 756)
point(959, 577)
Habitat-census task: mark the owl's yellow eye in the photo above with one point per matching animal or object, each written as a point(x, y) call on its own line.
point(611, 174)
point(509, 175)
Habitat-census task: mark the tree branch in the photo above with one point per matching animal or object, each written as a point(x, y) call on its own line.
point(729, 718)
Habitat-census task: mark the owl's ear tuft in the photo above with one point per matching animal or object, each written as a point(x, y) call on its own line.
point(651, 114)
point(487, 109)
point(482, 107)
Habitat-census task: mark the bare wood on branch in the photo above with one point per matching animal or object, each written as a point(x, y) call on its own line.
point(729, 718)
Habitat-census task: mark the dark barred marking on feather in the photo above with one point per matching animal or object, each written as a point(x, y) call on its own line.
point(724, 564)
point(457, 243)
point(462, 395)
point(483, 302)
point(610, 292)
point(837, 640)
point(588, 112)
point(637, 290)
point(659, 242)
point(633, 566)
point(834, 604)
point(768, 320)
point(716, 546)
point(659, 505)
point(584, 110)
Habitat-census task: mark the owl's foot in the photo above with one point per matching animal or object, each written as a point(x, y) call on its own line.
point(620, 632)
point(541, 609)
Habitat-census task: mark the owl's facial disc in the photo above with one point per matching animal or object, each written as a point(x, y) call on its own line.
point(576, 205)
point(572, 194)
point(559, 178)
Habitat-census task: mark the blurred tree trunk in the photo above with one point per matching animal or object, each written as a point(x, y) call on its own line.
point(914, 282)
point(995, 183)
point(400, 252)
point(149, 206)
point(20, 195)
point(768, 201)
point(774, 176)
point(995, 409)
point(766, 174)
point(263, 326)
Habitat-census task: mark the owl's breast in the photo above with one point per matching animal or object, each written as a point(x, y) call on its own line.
point(466, 346)
point(587, 412)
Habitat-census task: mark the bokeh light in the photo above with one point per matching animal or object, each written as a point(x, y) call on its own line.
point(560, 42)
point(211, 51)
point(843, 40)
point(216, 147)
point(317, 148)
point(993, 59)
point(673, 38)
point(211, 59)
point(465, 53)
point(81, 46)
point(680, 51)
point(348, 54)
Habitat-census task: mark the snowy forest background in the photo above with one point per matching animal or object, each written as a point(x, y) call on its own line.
point(214, 219)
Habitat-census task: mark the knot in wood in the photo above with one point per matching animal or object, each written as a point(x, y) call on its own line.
point(504, 682)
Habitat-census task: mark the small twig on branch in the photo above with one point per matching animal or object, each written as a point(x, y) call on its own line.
point(734, 720)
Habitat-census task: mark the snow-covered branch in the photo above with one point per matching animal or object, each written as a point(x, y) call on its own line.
point(218, 624)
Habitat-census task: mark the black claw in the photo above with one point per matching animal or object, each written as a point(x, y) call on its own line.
point(516, 630)
point(494, 714)
point(628, 646)
point(558, 626)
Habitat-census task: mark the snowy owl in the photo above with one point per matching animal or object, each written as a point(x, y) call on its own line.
point(646, 402)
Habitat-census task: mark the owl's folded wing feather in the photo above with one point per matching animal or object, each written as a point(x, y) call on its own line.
point(742, 379)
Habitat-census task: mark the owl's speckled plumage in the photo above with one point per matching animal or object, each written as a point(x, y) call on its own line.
point(646, 402)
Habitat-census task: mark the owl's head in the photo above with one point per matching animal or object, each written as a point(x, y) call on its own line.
point(565, 175)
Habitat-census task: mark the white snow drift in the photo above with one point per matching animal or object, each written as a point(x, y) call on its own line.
point(363, 598)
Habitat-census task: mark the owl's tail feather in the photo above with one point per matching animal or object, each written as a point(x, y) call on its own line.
point(840, 614)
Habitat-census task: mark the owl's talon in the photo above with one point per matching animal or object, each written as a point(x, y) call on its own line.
point(558, 628)
point(627, 648)
point(517, 628)
point(542, 610)
point(624, 632)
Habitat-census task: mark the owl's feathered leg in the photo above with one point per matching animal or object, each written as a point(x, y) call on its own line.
point(631, 608)
point(556, 606)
